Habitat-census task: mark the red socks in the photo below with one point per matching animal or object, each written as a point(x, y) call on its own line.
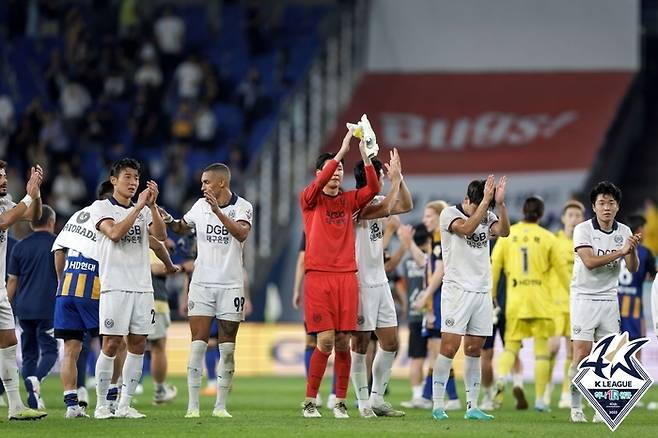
point(316, 370)
point(342, 366)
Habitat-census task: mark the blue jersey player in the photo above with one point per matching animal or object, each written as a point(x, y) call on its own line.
point(631, 285)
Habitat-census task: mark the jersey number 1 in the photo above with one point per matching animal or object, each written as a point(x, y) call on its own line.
point(524, 260)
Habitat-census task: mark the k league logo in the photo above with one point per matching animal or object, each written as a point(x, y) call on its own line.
point(612, 379)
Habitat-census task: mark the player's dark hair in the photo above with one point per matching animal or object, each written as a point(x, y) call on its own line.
point(635, 222)
point(475, 192)
point(360, 172)
point(125, 163)
point(605, 188)
point(421, 235)
point(105, 189)
point(323, 158)
point(533, 209)
point(47, 213)
point(3, 164)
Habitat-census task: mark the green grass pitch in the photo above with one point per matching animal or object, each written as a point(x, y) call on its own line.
point(270, 406)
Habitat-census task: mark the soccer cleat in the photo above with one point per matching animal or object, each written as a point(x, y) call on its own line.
point(577, 416)
point(75, 412)
point(367, 413)
point(113, 405)
point(310, 410)
point(221, 413)
point(597, 418)
point(453, 405)
point(165, 395)
point(541, 406)
point(128, 412)
point(340, 410)
point(477, 414)
point(417, 403)
point(103, 413)
point(27, 414)
point(193, 414)
point(519, 395)
point(331, 401)
point(386, 410)
point(439, 414)
point(565, 401)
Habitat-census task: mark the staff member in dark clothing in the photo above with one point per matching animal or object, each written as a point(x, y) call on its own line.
point(31, 288)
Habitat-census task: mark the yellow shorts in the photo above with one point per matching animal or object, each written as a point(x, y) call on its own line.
point(519, 329)
point(562, 322)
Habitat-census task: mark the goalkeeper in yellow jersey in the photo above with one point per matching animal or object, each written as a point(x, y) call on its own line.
point(527, 256)
point(573, 213)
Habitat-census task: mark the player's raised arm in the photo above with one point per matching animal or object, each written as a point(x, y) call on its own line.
point(365, 194)
point(468, 226)
point(115, 231)
point(157, 229)
point(237, 228)
point(502, 226)
point(632, 259)
point(313, 190)
point(23, 210)
point(33, 213)
point(178, 226)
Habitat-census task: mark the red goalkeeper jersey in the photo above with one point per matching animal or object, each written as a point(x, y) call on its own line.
point(328, 222)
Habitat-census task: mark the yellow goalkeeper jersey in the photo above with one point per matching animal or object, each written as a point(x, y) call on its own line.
point(559, 289)
point(527, 257)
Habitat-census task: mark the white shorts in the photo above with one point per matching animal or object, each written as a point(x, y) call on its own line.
point(376, 308)
point(7, 321)
point(124, 312)
point(592, 320)
point(466, 313)
point(218, 302)
point(162, 323)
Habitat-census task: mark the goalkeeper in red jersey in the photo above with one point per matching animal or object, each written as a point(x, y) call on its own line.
point(331, 290)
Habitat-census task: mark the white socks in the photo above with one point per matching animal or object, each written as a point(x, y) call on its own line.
point(132, 374)
point(440, 375)
point(381, 373)
point(576, 399)
point(359, 374)
point(195, 373)
point(225, 370)
point(9, 376)
point(104, 370)
point(517, 380)
point(417, 391)
point(472, 378)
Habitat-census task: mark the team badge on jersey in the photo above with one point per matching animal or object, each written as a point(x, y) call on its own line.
point(109, 323)
point(82, 217)
point(612, 379)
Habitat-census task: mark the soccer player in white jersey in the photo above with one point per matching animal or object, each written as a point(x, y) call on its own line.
point(222, 221)
point(27, 209)
point(599, 243)
point(126, 305)
point(466, 302)
point(376, 306)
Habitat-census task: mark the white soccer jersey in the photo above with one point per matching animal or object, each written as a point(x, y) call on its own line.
point(79, 234)
point(124, 265)
point(5, 205)
point(599, 282)
point(370, 249)
point(466, 258)
point(219, 254)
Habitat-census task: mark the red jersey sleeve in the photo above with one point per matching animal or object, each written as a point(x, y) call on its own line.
point(310, 194)
point(366, 194)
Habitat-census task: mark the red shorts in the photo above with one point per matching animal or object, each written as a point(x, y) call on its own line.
point(331, 301)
